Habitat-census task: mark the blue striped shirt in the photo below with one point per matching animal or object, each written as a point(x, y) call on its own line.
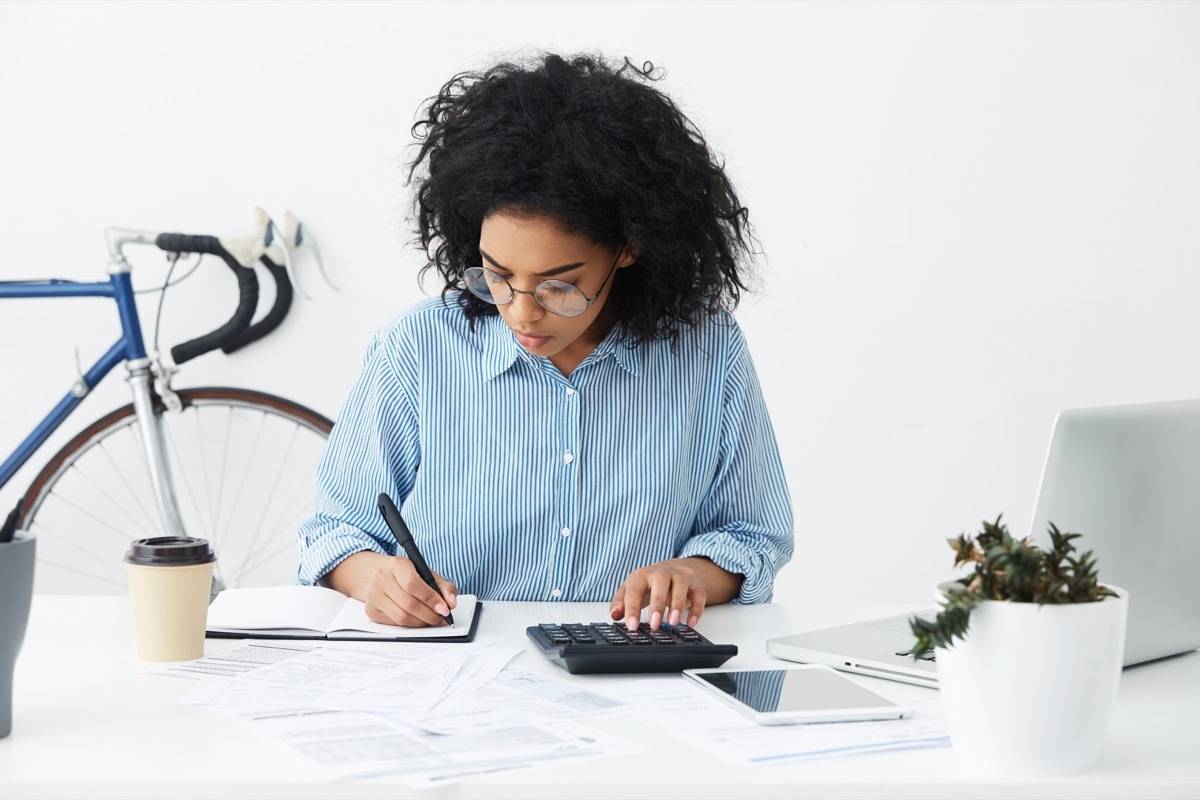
point(521, 484)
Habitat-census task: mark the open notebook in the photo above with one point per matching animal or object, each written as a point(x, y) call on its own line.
point(314, 612)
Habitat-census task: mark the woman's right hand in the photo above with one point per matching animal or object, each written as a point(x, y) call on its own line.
point(393, 591)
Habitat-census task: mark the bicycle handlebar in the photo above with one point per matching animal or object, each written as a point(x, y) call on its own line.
point(272, 319)
point(247, 294)
point(238, 331)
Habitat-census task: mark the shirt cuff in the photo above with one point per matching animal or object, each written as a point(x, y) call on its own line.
point(733, 554)
point(329, 549)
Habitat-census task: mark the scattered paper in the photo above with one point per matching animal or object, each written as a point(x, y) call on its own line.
point(355, 744)
point(568, 696)
point(727, 734)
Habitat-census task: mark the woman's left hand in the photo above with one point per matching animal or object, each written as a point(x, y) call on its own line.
point(667, 587)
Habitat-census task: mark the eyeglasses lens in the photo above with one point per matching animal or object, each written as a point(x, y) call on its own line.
point(556, 297)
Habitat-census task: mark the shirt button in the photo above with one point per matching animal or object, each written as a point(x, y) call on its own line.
point(567, 457)
point(570, 392)
point(566, 532)
point(556, 592)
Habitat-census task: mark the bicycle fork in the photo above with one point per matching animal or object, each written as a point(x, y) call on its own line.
point(154, 446)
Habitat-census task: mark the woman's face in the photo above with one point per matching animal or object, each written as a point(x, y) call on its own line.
point(527, 251)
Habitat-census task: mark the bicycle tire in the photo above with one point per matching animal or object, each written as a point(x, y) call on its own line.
point(109, 425)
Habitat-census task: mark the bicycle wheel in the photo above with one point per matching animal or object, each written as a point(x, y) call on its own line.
point(243, 464)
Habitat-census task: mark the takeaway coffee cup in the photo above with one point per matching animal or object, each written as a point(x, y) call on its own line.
point(169, 582)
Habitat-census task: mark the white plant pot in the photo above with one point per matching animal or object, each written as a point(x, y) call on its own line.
point(1030, 690)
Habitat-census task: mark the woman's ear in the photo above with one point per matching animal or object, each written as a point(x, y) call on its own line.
point(630, 256)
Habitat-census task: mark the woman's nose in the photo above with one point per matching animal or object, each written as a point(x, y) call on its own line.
point(525, 309)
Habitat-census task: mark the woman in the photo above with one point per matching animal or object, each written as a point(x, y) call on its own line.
point(577, 416)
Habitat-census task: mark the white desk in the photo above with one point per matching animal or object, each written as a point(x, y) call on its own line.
point(88, 724)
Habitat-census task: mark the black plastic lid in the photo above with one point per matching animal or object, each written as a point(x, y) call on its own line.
point(169, 551)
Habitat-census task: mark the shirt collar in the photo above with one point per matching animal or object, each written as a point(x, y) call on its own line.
point(614, 344)
point(501, 350)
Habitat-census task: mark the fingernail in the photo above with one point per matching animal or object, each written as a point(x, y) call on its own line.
point(675, 617)
point(453, 600)
point(631, 623)
point(692, 620)
point(655, 619)
point(441, 609)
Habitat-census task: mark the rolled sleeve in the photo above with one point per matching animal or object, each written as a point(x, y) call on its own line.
point(744, 524)
point(374, 447)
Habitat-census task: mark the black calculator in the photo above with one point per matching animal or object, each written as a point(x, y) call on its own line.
point(606, 647)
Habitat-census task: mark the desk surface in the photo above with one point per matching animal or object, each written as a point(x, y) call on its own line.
point(87, 723)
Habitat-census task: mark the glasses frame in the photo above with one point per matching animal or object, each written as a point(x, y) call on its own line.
point(551, 282)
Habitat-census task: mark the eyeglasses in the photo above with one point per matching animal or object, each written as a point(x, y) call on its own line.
point(557, 297)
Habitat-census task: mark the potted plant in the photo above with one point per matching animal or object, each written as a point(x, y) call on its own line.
point(1029, 649)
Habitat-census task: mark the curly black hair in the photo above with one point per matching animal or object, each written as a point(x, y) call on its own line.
point(603, 154)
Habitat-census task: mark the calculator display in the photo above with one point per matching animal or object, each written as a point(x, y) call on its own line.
point(769, 690)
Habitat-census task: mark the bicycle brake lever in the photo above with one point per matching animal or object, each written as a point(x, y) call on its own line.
point(275, 247)
point(298, 238)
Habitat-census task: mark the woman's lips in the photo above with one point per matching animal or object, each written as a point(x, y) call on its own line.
point(528, 340)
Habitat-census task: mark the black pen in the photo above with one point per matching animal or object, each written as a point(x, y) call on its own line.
point(404, 536)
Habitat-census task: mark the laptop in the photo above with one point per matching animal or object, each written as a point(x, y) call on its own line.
point(1127, 478)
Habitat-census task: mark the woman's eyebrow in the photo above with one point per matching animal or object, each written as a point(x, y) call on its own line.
point(544, 274)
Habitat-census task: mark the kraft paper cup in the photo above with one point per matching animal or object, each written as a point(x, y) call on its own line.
point(170, 578)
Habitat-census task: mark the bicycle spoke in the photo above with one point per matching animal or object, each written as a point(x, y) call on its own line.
point(241, 484)
point(257, 532)
point(203, 461)
point(120, 474)
point(187, 483)
point(110, 500)
point(249, 567)
point(221, 478)
point(122, 535)
point(77, 571)
point(78, 548)
point(283, 518)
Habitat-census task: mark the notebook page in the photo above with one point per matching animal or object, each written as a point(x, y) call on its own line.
point(353, 620)
point(275, 608)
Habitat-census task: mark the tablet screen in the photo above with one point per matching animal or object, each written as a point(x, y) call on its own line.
point(770, 690)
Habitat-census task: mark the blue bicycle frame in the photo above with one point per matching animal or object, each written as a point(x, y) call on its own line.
point(128, 348)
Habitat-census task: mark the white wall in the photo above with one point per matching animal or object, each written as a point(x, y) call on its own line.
point(973, 215)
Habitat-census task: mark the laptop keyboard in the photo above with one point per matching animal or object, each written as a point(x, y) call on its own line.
point(926, 656)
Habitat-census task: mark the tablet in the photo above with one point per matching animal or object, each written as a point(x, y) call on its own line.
point(789, 695)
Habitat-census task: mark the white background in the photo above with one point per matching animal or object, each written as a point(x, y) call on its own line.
point(972, 215)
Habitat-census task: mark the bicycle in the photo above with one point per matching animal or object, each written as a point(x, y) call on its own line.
point(116, 479)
